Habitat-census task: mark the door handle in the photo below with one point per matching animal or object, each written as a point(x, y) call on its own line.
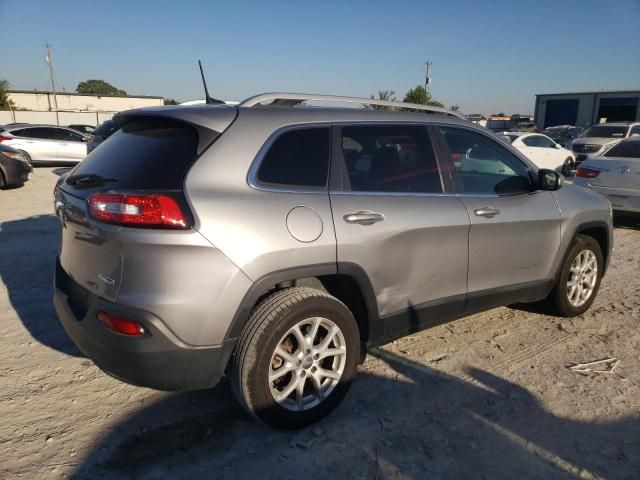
point(487, 212)
point(364, 217)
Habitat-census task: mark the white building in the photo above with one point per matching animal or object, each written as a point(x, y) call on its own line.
point(76, 102)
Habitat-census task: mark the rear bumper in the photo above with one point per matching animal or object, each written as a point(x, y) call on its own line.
point(621, 200)
point(158, 360)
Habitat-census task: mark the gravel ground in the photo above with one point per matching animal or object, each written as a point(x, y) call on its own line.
point(489, 396)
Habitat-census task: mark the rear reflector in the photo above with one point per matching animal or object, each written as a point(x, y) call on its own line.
point(587, 172)
point(2, 139)
point(138, 210)
point(121, 325)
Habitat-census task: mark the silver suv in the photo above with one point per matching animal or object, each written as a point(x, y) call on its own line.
point(275, 244)
point(599, 138)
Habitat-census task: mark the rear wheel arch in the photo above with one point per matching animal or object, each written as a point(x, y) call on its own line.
point(346, 281)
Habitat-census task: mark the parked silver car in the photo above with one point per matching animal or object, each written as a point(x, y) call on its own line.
point(275, 244)
point(616, 175)
point(597, 139)
point(46, 143)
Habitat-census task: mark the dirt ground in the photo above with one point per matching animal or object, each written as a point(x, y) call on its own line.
point(489, 396)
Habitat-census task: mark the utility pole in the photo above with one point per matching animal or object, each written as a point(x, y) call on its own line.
point(49, 61)
point(427, 75)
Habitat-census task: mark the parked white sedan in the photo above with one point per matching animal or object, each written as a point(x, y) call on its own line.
point(615, 174)
point(541, 150)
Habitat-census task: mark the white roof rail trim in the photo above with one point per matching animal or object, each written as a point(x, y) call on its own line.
point(291, 99)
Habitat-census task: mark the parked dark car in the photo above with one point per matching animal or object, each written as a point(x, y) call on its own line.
point(563, 134)
point(86, 129)
point(100, 134)
point(15, 169)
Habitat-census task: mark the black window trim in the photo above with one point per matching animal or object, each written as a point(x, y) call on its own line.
point(252, 176)
point(531, 167)
point(338, 165)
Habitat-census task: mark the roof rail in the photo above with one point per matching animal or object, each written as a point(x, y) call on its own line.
point(292, 99)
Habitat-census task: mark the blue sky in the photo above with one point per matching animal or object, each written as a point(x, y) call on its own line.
point(488, 56)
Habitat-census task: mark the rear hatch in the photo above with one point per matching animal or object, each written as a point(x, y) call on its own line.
point(146, 160)
point(622, 173)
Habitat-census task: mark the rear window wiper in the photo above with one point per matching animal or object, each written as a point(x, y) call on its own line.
point(84, 179)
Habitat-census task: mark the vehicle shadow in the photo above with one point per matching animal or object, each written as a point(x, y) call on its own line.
point(409, 422)
point(28, 249)
point(628, 221)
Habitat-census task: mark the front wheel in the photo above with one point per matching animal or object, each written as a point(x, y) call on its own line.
point(579, 279)
point(296, 358)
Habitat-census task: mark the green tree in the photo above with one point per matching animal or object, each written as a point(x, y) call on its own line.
point(5, 102)
point(421, 96)
point(170, 101)
point(387, 95)
point(98, 87)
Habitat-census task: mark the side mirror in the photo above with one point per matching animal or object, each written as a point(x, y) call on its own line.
point(557, 145)
point(549, 180)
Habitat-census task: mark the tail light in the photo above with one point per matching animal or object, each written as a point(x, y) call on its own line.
point(121, 325)
point(160, 211)
point(3, 138)
point(587, 172)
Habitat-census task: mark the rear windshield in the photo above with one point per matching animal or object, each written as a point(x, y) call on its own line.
point(606, 131)
point(625, 149)
point(148, 154)
point(106, 129)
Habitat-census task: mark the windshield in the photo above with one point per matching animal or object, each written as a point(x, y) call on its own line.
point(106, 129)
point(606, 131)
point(625, 149)
point(555, 132)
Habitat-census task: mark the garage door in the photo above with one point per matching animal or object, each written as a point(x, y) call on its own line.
point(561, 112)
point(617, 109)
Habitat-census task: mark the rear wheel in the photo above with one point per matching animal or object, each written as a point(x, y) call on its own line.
point(296, 358)
point(579, 279)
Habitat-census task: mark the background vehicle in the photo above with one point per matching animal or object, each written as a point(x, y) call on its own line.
point(15, 170)
point(84, 129)
point(46, 143)
point(563, 134)
point(525, 127)
point(100, 134)
point(228, 217)
point(541, 150)
point(616, 175)
point(597, 139)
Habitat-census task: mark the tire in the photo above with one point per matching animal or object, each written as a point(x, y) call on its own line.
point(272, 324)
point(567, 167)
point(565, 301)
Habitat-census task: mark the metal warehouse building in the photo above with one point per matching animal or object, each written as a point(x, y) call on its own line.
point(584, 109)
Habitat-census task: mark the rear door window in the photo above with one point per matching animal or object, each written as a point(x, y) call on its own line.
point(145, 154)
point(42, 133)
point(297, 158)
point(390, 158)
point(67, 136)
